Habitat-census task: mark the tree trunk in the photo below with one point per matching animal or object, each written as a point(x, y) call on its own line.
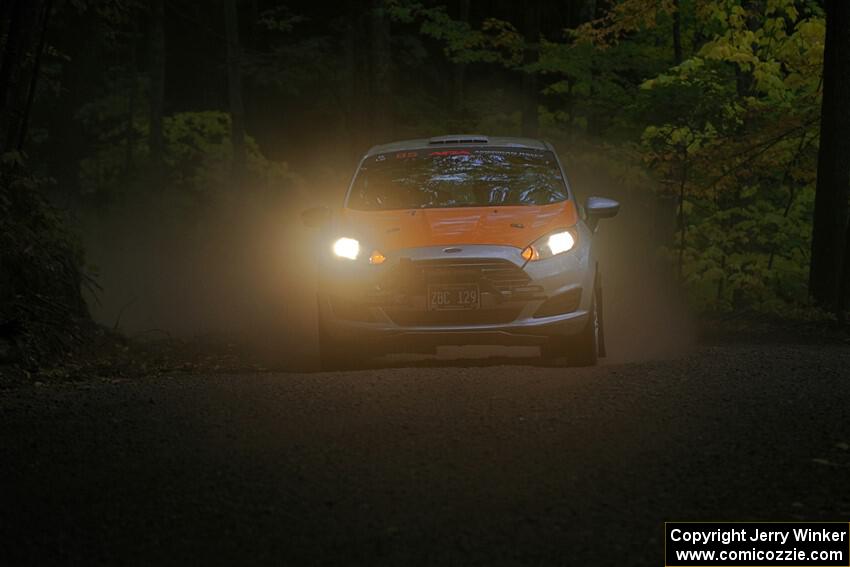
point(355, 87)
point(683, 221)
point(677, 32)
point(129, 127)
point(844, 286)
point(156, 141)
point(33, 83)
point(130, 133)
point(11, 49)
point(787, 181)
point(833, 177)
point(24, 21)
point(380, 64)
point(459, 72)
point(594, 122)
point(6, 9)
point(234, 90)
point(531, 31)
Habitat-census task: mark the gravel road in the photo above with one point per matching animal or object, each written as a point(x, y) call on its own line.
point(473, 464)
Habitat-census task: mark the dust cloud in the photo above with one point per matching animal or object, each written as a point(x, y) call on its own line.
point(646, 312)
point(240, 267)
point(237, 269)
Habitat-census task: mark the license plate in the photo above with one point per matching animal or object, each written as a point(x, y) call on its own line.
point(453, 296)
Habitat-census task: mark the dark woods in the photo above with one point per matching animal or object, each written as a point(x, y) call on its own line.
point(710, 110)
point(25, 30)
point(42, 311)
point(829, 278)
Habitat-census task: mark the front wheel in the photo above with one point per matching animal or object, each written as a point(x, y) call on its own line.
point(581, 349)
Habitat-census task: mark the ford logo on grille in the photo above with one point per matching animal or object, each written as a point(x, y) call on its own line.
point(452, 250)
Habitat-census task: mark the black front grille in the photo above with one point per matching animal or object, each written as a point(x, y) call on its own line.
point(413, 277)
point(494, 277)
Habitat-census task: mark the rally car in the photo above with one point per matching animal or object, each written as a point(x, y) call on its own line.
point(459, 240)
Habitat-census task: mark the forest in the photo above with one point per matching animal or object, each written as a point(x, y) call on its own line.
point(207, 125)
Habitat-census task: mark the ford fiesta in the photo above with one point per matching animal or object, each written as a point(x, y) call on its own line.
point(460, 240)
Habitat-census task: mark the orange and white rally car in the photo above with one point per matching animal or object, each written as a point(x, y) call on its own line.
point(459, 240)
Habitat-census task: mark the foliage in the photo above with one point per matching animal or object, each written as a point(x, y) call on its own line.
point(497, 41)
point(197, 157)
point(40, 270)
point(738, 143)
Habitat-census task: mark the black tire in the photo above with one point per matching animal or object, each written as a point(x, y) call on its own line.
point(581, 349)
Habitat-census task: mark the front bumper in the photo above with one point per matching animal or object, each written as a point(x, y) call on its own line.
point(520, 303)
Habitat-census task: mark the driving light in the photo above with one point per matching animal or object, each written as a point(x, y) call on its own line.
point(561, 242)
point(347, 248)
point(550, 245)
point(377, 258)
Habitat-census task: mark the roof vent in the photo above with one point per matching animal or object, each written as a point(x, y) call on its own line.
point(460, 139)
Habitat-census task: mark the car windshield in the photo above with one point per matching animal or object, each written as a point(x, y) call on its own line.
point(460, 177)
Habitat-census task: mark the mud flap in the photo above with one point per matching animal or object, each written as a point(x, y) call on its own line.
point(597, 287)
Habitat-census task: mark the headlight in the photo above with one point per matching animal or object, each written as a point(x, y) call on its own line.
point(550, 245)
point(561, 242)
point(347, 248)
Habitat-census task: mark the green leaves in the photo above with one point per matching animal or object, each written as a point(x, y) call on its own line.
point(197, 157)
point(279, 19)
point(734, 127)
point(496, 41)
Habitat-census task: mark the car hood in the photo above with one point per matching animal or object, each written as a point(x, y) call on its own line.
point(516, 226)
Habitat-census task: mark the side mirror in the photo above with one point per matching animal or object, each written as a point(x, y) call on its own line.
point(315, 217)
point(600, 208)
